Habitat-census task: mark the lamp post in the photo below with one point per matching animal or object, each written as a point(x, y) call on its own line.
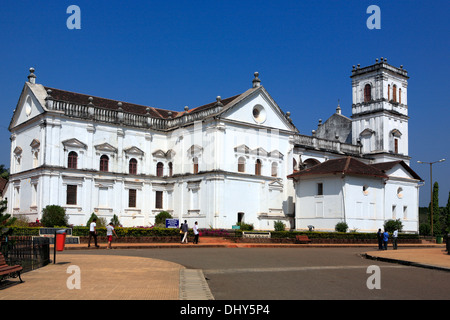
point(431, 187)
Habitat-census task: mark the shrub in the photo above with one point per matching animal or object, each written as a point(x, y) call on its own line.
point(279, 226)
point(341, 227)
point(245, 226)
point(161, 217)
point(54, 216)
point(392, 225)
point(425, 229)
point(101, 222)
point(115, 221)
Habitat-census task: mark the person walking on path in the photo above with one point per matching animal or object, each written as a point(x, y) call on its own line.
point(109, 233)
point(380, 239)
point(394, 239)
point(93, 233)
point(185, 229)
point(385, 239)
point(181, 233)
point(196, 234)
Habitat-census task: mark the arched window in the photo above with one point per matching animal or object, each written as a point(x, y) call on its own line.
point(170, 169)
point(400, 95)
point(389, 92)
point(72, 160)
point(241, 164)
point(104, 161)
point(274, 169)
point(132, 166)
point(294, 165)
point(159, 169)
point(195, 163)
point(367, 93)
point(258, 166)
point(394, 93)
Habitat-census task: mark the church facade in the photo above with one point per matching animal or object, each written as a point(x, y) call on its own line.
point(237, 159)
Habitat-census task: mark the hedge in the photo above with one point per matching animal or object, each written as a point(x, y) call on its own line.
point(168, 232)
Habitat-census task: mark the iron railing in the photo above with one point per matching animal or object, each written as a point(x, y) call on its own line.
point(28, 251)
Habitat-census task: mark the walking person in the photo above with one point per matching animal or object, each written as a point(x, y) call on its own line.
point(93, 232)
point(394, 239)
point(196, 234)
point(181, 233)
point(380, 239)
point(185, 229)
point(109, 232)
point(385, 239)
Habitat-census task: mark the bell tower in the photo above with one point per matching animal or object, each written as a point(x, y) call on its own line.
point(380, 111)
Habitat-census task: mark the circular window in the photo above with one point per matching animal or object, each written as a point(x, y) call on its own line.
point(259, 113)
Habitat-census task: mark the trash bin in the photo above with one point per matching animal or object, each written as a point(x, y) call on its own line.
point(60, 240)
point(438, 239)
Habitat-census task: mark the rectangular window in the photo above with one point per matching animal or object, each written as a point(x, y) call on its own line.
point(132, 198)
point(159, 200)
point(71, 194)
point(320, 189)
point(394, 212)
point(405, 212)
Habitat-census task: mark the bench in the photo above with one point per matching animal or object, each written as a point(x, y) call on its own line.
point(7, 271)
point(302, 239)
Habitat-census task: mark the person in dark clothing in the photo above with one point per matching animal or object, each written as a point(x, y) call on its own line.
point(380, 239)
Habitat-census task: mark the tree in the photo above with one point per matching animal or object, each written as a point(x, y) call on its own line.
point(54, 216)
point(392, 225)
point(5, 218)
point(446, 216)
point(436, 223)
point(161, 217)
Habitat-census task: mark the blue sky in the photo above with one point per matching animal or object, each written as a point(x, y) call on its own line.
point(170, 54)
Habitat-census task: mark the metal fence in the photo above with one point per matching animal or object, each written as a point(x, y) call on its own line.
point(29, 252)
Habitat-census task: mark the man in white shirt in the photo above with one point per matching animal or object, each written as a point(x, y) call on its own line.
point(394, 239)
point(93, 232)
point(196, 234)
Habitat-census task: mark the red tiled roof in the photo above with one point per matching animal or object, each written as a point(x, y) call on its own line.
point(83, 99)
point(386, 166)
point(346, 165)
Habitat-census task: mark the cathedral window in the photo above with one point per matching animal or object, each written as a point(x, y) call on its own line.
point(258, 166)
point(274, 169)
point(241, 164)
point(72, 160)
point(195, 163)
point(400, 95)
point(158, 199)
point(104, 162)
point(170, 169)
point(367, 93)
point(71, 194)
point(394, 93)
point(159, 169)
point(132, 166)
point(132, 198)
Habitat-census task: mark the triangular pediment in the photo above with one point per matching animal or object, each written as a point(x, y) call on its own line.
point(134, 151)
point(159, 154)
point(30, 105)
point(257, 108)
point(35, 144)
point(366, 132)
point(260, 152)
point(242, 149)
point(194, 150)
point(276, 154)
point(74, 143)
point(276, 184)
point(105, 147)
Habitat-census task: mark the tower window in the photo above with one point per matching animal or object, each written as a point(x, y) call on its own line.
point(170, 169)
point(195, 163)
point(394, 93)
point(104, 161)
point(367, 93)
point(241, 164)
point(72, 160)
point(159, 169)
point(258, 167)
point(132, 166)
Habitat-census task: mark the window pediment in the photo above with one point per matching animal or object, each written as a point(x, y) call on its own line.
point(74, 143)
point(366, 132)
point(106, 147)
point(133, 151)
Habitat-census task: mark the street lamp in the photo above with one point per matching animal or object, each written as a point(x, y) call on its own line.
point(431, 187)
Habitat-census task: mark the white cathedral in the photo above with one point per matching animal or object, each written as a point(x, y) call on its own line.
point(239, 159)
